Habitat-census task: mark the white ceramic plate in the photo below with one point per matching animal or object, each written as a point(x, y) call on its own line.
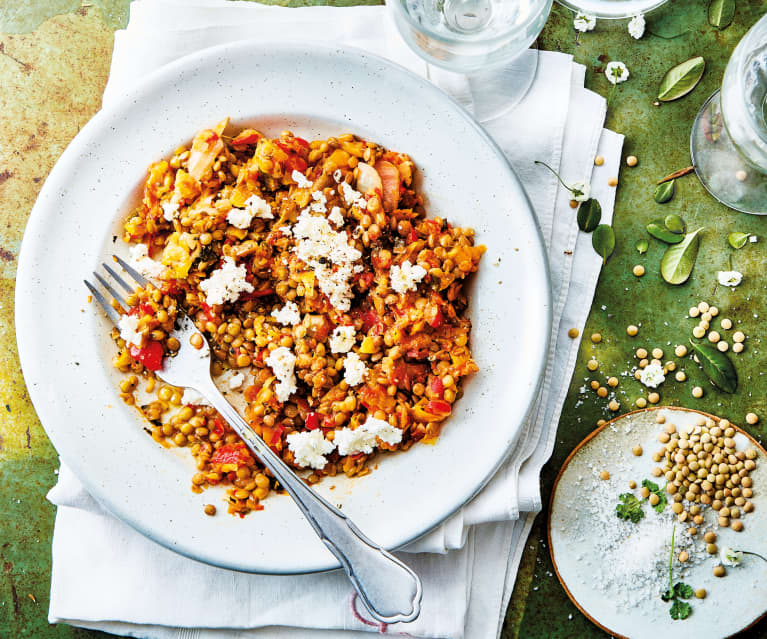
point(578, 549)
point(314, 91)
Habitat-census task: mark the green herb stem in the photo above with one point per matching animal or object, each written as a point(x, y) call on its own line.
point(555, 173)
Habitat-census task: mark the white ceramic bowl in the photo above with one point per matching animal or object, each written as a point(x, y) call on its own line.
point(315, 91)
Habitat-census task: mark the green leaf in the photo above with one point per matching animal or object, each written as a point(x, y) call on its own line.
point(737, 239)
point(664, 192)
point(642, 246)
point(682, 79)
point(657, 228)
point(603, 241)
point(630, 508)
point(721, 13)
point(675, 224)
point(678, 261)
point(717, 366)
point(660, 492)
point(668, 595)
point(680, 610)
point(589, 215)
point(683, 591)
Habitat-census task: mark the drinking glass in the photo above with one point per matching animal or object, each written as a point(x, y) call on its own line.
point(728, 143)
point(612, 8)
point(485, 41)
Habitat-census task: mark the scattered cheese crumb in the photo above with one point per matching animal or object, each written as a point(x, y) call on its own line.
point(300, 179)
point(336, 216)
point(288, 315)
point(282, 361)
point(354, 369)
point(255, 206)
point(193, 398)
point(226, 283)
point(139, 258)
point(236, 381)
point(406, 277)
point(170, 209)
point(309, 448)
point(363, 438)
point(351, 196)
point(128, 326)
point(342, 339)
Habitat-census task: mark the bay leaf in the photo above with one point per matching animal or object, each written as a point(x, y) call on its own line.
point(664, 192)
point(682, 79)
point(603, 241)
point(589, 215)
point(641, 246)
point(678, 260)
point(737, 239)
point(675, 224)
point(721, 13)
point(657, 228)
point(717, 366)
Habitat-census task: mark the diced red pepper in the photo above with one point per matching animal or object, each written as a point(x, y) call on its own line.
point(371, 319)
point(245, 138)
point(313, 420)
point(208, 310)
point(146, 309)
point(439, 407)
point(436, 386)
point(218, 428)
point(235, 454)
point(412, 236)
point(256, 294)
point(150, 356)
point(438, 319)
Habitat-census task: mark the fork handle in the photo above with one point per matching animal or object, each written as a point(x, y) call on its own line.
point(389, 589)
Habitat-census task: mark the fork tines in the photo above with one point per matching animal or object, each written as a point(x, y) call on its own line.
point(109, 309)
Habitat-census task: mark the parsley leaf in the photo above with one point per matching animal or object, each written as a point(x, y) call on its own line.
point(660, 492)
point(680, 609)
point(630, 508)
point(668, 595)
point(683, 590)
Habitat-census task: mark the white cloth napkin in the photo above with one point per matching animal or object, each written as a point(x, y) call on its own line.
point(107, 576)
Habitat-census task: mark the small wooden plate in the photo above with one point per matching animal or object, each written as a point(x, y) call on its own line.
point(733, 603)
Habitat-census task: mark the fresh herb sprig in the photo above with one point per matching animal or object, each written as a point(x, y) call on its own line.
point(630, 507)
point(677, 592)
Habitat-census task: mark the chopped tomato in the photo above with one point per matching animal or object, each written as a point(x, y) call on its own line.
point(256, 294)
point(435, 317)
point(313, 420)
point(218, 428)
point(436, 386)
point(249, 136)
point(374, 397)
point(208, 310)
point(439, 407)
point(234, 454)
point(150, 356)
point(146, 309)
point(371, 319)
point(273, 435)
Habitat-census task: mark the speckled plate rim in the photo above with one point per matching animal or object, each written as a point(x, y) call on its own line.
point(166, 534)
point(569, 458)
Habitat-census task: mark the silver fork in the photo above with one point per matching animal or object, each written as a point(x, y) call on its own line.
point(389, 589)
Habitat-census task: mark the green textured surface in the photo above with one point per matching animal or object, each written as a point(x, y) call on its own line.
point(54, 59)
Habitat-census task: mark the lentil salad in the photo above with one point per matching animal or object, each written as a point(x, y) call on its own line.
point(334, 305)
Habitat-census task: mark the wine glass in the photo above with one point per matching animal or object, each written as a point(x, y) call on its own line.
point(728, 143)
point(612, 8)
point(478, 50)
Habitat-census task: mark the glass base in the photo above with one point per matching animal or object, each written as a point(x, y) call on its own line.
point(719, 166)
point(492, 93)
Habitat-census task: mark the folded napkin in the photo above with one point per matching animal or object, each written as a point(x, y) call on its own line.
point(107, 576)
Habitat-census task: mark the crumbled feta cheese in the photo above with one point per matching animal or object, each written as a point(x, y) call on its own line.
point(226, 283)
point(286, 231)
point(336, 216)
point(300, 179)
point(236, 381)
point(351, 196)
point(337, 175)
point(128, 326)
point(406, 277)
point(584, 22)
point(363, 438)
point(342, 339)
point(328, 253)
point(637, 26)
point(288, 315)
point(616, 72)
point(354, 369)
point(170, 209)
point(320, 202)
point(139, 258)
point(729, 278)
point(309, 448)
point(193, 398)
point(255, 206)
point(282, 361)
point(652, 375)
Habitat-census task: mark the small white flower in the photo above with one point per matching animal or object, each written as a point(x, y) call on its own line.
point(729, 278)
point(584, 22)
point(637, 26)
point(616, 72)
point(580, 191)
point(730, 557)
point(652, 375)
